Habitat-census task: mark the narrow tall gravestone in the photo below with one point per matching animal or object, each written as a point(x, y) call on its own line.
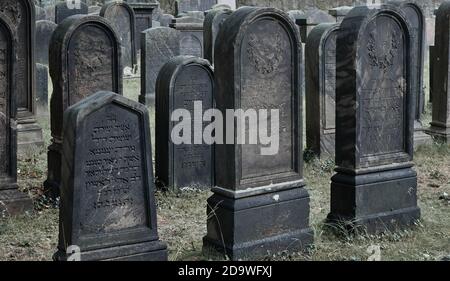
point(44, 32)
point(260, 205)
point(159, 45)
point(41, 89)
point(321, 89)
point(183, 82)
point(84, 59)
point(65, 9)
point(375, 186)
point(108, 208)
point(12, 201)
point(211, 26)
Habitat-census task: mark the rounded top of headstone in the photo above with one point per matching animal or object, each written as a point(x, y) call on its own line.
point(6, 22)
point(443, 10)
point(107, 8)
point(319, 33)
point(212, 15)
point(417, 7)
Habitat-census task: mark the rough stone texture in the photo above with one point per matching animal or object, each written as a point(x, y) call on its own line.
point(321, 89)
point(144, 17)
point(375, 186)
point(183, 81)
point(84, 59)
point(191, 35)
point(122, 18)
point(260, 205)
point(159, 45)
point(40, 13)
point(107, 203)
point(166, 20)
point(41, 89)
point(62, 11)
point(184, 6)
point(339, 13)
point(12, 202)
point(44, 32)
point(440, 126)
point(211, 26)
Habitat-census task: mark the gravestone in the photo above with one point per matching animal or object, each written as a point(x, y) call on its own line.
point(159, 45)
point(44, 32)
point(107, 202)
point(22, 15)
point(375, 187)
point(184, 6)
point(63, 10)
point(144, 16)
point(94, 9)
point(41, 89)
point(84, 59)
point(166, 20)
point(260, 205)
point(432, 58)
point(40, 13)
point(339, 13)
point(312, 18)
point(321, 89)
point(211, 26)
point(182, 82)
point(440, 126)
point(191, 36)
point(122, 18)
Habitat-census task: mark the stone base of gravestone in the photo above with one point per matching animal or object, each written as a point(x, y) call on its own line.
point(374, 202)
point(29, 136)
point(13, 202)
point(439, 134)
point(421, 137)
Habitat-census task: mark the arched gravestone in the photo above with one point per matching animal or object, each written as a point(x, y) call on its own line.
point(107, 202)
point(183, 81)
point(440, 126)
point(260, 203)
point(121, 16)
point(12, 201)
point(84, 58)
point(211, 26)
point(321, 89)
point(375, 186)
point(22, 15)
point(63, 11)
point(191, 36)
point(44, 32)
point(159, 45)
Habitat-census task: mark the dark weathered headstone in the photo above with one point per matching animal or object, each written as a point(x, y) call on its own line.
point(260, 205)
point(310, 20)
point(63, 10)
point(440, 126)
point(41, 89)
point(12, 201)
point(122, 18)
point(321, 89)
point(22, 15)
point(183, 81)
point(44, 32)
point(184, 6)
point(108, 207)
point(144, 16)
point(339, 13)
point(159, 45)
point(375, 188)
point(211, 26)
point(84, 59)
point(191, 36)
point(432, 64)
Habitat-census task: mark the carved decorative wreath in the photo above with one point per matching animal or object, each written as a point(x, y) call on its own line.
point(383, 57)
point(265, 54)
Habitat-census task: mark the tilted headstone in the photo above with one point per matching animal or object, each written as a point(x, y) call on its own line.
point(259, 205)
point(64, 10)
point(184, 6)
point(159, 45)
point(41, 89)
point(440, 126)
point(122, 18)
point(144, 16)
point(375, 187)
point(13, 202)
point(321, 89)
point(191, 36)
point(211, 26)
point(84, 59)
point(108, 208)
point(181, 83)
point(310, 20)
point(44, 32)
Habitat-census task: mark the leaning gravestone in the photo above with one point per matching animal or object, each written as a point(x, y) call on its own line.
point(64, 10)
point(181, 83)
point(211, 26)
point(260, 205)
point(41, 89)
point(159, 45)
point(12, 201)
point(122, 18)
point(191, 36)
point(375, 186)
point(440, 126)
point(321, 89)
point(44, 32)
point(84, 58)
point(108, 205)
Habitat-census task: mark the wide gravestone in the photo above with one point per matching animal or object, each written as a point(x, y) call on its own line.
point(41, 89)
point(191, 36)
point(44, 32)
point(159, 45)
point(181, 83)
point(108, 207)
point(22, 15)
point(12, 201)
point(375, 186)
point(211, 26)
point(84, 59)
point(122, 18)
point(63, 10)
point(260, 205)
point(321, 89)
point(440, 126)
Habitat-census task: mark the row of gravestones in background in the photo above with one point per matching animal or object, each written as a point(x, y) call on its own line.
point(366, 170)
